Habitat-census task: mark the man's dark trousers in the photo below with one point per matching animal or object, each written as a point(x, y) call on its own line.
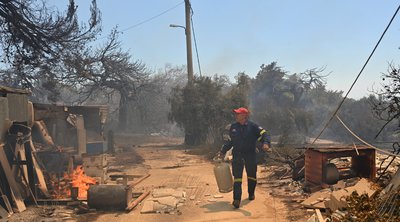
point(249, 161)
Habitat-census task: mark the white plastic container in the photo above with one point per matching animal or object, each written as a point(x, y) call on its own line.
point(223, 176)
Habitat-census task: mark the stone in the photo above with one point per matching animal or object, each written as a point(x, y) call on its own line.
point(168, 201)
point(337, 198)
point(163, 192)
point(317, 199)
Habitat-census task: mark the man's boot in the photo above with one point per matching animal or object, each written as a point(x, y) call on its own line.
point(236, 203)
point(252, 197)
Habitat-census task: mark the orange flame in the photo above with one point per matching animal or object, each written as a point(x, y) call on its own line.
point(80, 180)
point(61, 188)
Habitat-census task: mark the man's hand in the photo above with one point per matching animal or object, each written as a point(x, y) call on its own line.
point(220, 155)
point(266, 148)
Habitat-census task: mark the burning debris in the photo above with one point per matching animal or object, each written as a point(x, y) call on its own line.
point(82, 182)
point(77, 179)
point(36, 162)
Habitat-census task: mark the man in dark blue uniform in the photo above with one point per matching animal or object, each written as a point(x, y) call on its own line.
point(243, 137)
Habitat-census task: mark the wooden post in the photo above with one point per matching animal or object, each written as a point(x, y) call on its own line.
point(81, 131)
point(110, 142)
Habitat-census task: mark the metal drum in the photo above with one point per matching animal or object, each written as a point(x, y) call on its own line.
point(331, 175)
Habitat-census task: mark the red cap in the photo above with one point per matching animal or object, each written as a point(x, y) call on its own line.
point(241, 110)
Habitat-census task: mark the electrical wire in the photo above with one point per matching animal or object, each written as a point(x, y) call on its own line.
point(146, 20)
point(361, 140)
point(151, 18)
point(362, 69)
point(195, 42)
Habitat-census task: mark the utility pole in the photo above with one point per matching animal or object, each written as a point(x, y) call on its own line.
point(188, 42)
point(189, 137)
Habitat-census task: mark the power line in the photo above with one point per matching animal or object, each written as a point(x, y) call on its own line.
point(363, 141)
point(362, 69)
point(146, 20)
point(151, 18)
point(195, 42)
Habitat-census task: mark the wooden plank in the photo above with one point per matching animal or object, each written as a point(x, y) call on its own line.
point(140, 180)
point(134, 203)
point(44, 132)
point(314, 169)
point(3, 214)
point(319, 215)
point(20, 152)
point(81, 131)
point(53, 202)
point(29, 166)
point(31, 115)
point(7, 203)
point(80, 122)
point(5, 200)
point(15, 193)
point(40, 176)
point(317, 199)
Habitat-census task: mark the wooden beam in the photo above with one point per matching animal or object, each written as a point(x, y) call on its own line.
point(81, 131)
point(3, 215)
point(44, 133)
point(29, 166)
point(319, 215)
point(134, 203)
point(15, 193)
point(6, 201)
point(39, 173)
point(139, 180)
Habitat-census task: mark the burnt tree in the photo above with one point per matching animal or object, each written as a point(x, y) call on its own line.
point(32, 34)
point(108, 70)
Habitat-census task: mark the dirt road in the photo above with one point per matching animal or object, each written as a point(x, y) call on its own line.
point(173, 167)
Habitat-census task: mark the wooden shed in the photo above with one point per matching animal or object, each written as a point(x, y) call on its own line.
point(318, 163)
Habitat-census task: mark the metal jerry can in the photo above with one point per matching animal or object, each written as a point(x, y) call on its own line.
point(223, 176)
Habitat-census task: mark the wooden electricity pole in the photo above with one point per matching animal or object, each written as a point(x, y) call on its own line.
point(188, 42)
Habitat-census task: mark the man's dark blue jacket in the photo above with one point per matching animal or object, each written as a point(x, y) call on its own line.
point(243, 138)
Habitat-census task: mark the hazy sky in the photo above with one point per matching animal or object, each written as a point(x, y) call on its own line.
point(240, 35)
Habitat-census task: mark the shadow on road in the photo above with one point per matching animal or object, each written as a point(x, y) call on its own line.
point(225, 206)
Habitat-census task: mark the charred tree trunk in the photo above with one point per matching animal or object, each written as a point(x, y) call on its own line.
point(123, 113)
point(189, 139)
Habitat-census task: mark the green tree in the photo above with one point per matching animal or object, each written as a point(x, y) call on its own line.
point(197, 108)
point(203, 109)
point(238, 94)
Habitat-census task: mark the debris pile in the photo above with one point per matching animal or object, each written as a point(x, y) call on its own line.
point(164, 200)
point(366, 185)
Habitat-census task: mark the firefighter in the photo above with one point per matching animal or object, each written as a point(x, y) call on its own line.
point(243, 137)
